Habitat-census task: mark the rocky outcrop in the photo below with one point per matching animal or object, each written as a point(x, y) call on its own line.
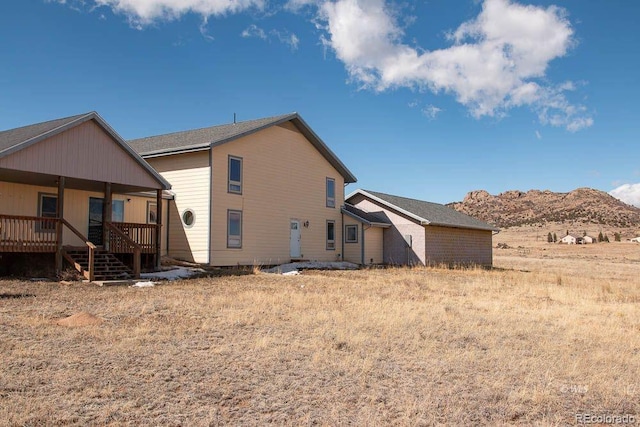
point(540, 207)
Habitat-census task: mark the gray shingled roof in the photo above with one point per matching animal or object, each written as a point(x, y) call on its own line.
point(427, 212)
point(14, 137)
point(205, 138)
point(370, 218)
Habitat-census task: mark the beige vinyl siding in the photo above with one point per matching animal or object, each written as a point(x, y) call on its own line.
point(22, 199)
point(84, 152)
point(373, 245)
point(352, 251)
point(458, 246)
point(283, 178)
point(395, 248)
point(189, 175)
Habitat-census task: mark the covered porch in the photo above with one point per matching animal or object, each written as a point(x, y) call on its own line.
point(73, 186)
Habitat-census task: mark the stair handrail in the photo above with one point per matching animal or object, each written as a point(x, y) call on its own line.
point(91, 246)
point(137, 248)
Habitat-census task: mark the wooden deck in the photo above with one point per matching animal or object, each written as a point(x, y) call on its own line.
point(38, 235)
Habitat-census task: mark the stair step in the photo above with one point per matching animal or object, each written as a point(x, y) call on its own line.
point(106, 265)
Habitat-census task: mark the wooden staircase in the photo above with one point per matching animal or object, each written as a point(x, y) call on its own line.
point(106, 265)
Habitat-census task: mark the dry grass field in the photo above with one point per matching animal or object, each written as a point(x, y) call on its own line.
point(551, 333)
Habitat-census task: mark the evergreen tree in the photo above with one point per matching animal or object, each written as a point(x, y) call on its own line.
point(606, 238)
point(549, 238)
point(600, 237)
point(616, 237)
point(555, 238)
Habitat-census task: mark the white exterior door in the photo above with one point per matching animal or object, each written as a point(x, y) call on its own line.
point(294, 240)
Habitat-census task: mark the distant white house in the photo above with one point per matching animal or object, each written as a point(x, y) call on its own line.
point(569, 240)
point(588, 239)
point(635, 240)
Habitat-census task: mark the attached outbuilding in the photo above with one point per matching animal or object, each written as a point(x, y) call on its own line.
point(425, 233)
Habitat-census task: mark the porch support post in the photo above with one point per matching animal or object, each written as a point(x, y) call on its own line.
point(59, 227)
point(106, 214)
point(158, 235)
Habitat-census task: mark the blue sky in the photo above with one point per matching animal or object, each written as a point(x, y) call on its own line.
point(426, 99)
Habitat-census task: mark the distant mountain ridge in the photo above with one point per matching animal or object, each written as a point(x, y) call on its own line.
point(536, 207)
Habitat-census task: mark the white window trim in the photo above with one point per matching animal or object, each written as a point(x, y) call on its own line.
point(182, 218)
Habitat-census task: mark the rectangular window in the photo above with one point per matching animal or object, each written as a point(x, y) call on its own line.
point(331, 193)
point(351, 234)
point(152, 213)
point(117, 210)
point(47, 208)
point(234, 229)
point(331, 235)
point(235, 175)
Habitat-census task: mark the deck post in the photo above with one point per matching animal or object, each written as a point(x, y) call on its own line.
point(59, 228)
point(106, 213)
point(158, 235)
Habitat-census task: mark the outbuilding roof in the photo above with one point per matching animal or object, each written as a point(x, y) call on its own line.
point(209, 137)
point(425, 213)
point(376, 219)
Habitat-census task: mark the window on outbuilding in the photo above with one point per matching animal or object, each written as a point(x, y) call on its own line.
point(351, 233)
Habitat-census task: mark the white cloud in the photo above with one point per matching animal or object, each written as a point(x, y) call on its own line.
point(287, 38)
point(431, 111)
point(538, 135)
point(628, 193)
point(254, 31)
point(145, 12)
point(494, 63)
point(284, 36)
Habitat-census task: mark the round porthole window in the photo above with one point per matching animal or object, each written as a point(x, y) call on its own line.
point(188, 218)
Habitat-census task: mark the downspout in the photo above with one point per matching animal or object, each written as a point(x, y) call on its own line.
point(362, 245)
point(210, 195)
point(168, 226)
point(342, 232)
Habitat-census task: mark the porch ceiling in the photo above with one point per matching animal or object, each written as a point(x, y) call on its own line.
point(46, 180)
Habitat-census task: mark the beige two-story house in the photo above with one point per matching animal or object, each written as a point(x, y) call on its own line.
point(258, 192)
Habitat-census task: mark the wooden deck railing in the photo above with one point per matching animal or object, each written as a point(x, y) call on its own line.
point(27, 234)
point(90, 246)
point(119, 243)
point(143, 234)
point(38, 234)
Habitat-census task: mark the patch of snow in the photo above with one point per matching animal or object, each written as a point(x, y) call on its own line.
point(148, 284)
point(288, 269)
point(291, 273)
point(173, 274)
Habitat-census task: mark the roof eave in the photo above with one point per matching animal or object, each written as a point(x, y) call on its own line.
point(34, 140)
point(420, 220)
point(365, 221)
point(466, 227)
point(171, 152)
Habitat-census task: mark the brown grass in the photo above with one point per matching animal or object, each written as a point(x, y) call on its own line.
point(398, 346)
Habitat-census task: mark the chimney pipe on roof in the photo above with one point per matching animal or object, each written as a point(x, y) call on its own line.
point(234, 118)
